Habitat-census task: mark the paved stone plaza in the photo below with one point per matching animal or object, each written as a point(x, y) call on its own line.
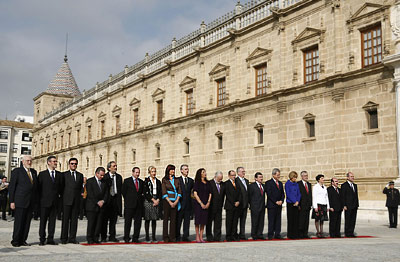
point(384, 247)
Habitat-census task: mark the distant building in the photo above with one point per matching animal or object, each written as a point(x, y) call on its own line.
point(21, 118)
point(15, 141)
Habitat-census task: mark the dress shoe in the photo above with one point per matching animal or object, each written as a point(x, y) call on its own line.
point(261, 238)
point(73, 242)
point(51, 242)
point(135, 240)
point(270, 238)
point(25, 244)
point(41, 243)
point(90, 242)
point(63, 242)
point(243, 238)
point(278, 237)
point(96, 241)
point(126, 240)
point(15, 244)
point(185, 239)
point(113, 240)
point(103, 240)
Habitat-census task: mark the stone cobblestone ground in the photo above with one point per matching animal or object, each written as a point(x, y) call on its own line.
point(385, 246)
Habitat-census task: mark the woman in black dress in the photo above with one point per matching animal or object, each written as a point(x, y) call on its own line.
point(152, 204)
point(202, 195)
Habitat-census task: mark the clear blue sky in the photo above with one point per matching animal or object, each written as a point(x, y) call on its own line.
point(104, 36)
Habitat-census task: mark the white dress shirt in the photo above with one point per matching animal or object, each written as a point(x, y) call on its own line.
point(243, 182)
point(320, 196)
point(114, 179)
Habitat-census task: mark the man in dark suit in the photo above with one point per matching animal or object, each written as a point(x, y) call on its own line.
point(23, 199)
point(215, 209)
point(349, 195)
point(186, 184)
point(232, 193)
point(336, 207)
point(3, 197)
point(305, 204)
point(132, 191)
point(275, 198)
point(243, 184)
point(97, 196)
point(257, 207)
point(392, 203)
point(113, 208)
point(49, 185)
point(72, 194)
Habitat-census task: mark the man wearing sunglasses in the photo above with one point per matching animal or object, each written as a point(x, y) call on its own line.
point(72, 189)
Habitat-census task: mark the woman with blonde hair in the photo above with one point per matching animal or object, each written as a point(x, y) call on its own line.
point(293, 198)
point(152, 205)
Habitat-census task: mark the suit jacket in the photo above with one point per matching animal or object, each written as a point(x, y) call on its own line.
point(232, 194)
point(349, 197)
point(21, 191)
point(49, 191)
point(95, 194)
point(109, 181)
point(167, 186)
point(335, 201)
point(133, 198)
point(306, 199)
point(273, 193)
point(217, 198)
point(256, 199)
point(186, 199)
point(72, 189)
point(392, 197)
point(244, 194)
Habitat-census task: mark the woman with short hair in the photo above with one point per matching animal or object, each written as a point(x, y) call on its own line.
point(320, 205)
point(152, 204)
point(293, 198)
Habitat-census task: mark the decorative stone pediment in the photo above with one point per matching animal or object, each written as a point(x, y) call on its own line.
point(187, 83)
point(309, 33)
point(47, 137)
point(116, 111)
point(259, 56)
point(68, 129)
point(309, 116)
point(77, 126)
point(88, 121)
point(102, 116)
point(61, 131)
point(134, 104)
point(258, 126)
point(54, 134)
point(367, 10)
point(186, 140)
point(218, 134)
point(158, 95)
point(219, 71)
point(370, 106)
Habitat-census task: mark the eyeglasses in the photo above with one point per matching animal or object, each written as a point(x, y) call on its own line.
point(75, 164)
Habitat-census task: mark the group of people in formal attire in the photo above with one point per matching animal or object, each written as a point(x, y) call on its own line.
point(176, 200)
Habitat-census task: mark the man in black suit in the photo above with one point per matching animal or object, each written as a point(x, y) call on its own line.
point(186, 184)
point(257, 207)
point(275, 198)
point(305, 204)
point(72, 194)
point(132, 191)
point(23, 199)
point(336, 207)
point(3, 197)
point(392, 203)
point(349, 195)
point(215, 209)
point(232, 193)
point(49, 185)
point(243, 184)
point(97, 196)
point(113, 208)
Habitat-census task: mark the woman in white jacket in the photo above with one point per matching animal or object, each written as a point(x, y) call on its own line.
point(320, 205)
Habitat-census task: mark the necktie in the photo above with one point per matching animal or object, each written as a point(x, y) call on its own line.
point(52, 175)
point(337, 190)
point(244, 183)
point(352, 186)
point(136, 185)
point(306, 186)
point(99, 183)
point(186, 183)
point(73, 175)
point(262, 191)
point(112, 187)
point(218, 187)
point(277, 184)
point(233, 182)
point(29, 175)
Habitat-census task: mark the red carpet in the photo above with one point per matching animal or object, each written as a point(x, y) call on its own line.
point(193, 242)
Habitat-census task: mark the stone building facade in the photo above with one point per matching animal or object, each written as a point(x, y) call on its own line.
point(294, 84)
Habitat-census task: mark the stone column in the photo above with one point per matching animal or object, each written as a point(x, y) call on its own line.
point(393, 61)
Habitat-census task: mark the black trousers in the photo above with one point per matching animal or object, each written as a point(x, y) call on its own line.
point(47, 215)
point(242, 222)
point(214, 216)
point(60, 206)
point(393, 216)
point(136, 215)
point(257, 223)
point(350, 217)
point(22, 224)
point(274, 222)
point(292, 213)
point(169, 214)
point(231, 223)
point(110, 219)
point(334, 223)
point(3, 206)
point(82, 208)
point(69, 224)
point(94, 224)
point(304, 222)
point(183, 216)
